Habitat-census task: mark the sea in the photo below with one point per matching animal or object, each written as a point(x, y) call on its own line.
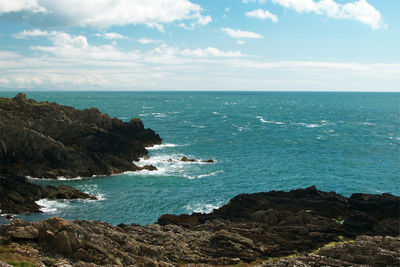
point(260, 141)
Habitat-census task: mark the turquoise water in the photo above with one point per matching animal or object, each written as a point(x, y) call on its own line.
point(343, 142)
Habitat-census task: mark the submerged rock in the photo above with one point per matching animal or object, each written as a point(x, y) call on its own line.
point(296, 228)
point(17, 195)
point(46, 140)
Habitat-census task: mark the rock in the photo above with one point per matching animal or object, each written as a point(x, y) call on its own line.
point(46, 140)
point(296, 228)
point(17, 195)
point(148, 168)
point(185, 159)
point(378, 214)
point(208, 161)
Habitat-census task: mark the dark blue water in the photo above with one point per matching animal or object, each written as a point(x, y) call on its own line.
point(343, 142)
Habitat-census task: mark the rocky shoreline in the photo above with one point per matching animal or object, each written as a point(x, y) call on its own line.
point(48, 140)
point(17, 195)
point(304, 227)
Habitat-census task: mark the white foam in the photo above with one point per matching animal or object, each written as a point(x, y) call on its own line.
point(272, 122)
point(157, 147)
point(205, 175)
point(159, 115)
point(215, 113)
point(367, 123)
point(308, 125)
point(51, 206)
point(167, 165)
point(59, 178)
point(202, 207)
point(93, 190)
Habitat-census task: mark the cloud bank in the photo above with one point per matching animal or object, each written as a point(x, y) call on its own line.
point(103, 13)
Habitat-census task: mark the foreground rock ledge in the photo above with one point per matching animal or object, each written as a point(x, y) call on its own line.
point(46, 140)
point(315, 228)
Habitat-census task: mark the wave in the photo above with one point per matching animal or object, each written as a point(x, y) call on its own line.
point(93, 190)
point(272, 122)
point(157, 147)
point(159, 115)
point(367, 123)
point(204, 175)
point(169, 165)
point(313, 125)
point(63, 178)
point(202, 207)
point(51, 206)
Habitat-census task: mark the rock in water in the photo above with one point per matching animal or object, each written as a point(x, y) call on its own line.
point(46, 140)
point(17, 195)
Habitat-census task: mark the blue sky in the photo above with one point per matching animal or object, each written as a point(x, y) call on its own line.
point(258, 45)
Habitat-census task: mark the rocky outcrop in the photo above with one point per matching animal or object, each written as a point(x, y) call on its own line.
point(17, 195)
point(42, 139)
point(261, 229)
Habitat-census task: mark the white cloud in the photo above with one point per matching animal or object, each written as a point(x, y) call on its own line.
point(241, 42)
point(111, 35)
point(104, 13)
point(69, 46)
point(7, 6)
point(210, 52)
point(239, 34)
point(149, 41)
point(262, 14)
point(359, 10)
point(173, 68)
point(28, 34)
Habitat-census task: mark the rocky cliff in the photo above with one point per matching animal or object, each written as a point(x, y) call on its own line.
point(304, 227)
point(42, 139)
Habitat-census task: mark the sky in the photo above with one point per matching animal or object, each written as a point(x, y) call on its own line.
point(182, 45)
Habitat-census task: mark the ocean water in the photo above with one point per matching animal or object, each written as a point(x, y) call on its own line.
point(343, 142)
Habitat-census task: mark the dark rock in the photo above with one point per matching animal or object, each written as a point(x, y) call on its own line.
point(208, 161)
point(378, 214)
point(261, 229)
point(148, 168)
point(42, 139)
point(185, 159)
point(17, 195)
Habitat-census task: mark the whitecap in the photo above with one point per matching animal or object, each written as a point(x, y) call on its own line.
point(215, 113)
point(308, 125)
point(159, 115)
point(158, 147)
point(51, 206)
point(272, 122)
point(202, 207)
point(205, 175)
point(159, 172)
point(367, 123)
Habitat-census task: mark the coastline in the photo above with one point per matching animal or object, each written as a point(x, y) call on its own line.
point(303, 226)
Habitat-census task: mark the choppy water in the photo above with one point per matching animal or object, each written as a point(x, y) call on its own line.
point(343, 142)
